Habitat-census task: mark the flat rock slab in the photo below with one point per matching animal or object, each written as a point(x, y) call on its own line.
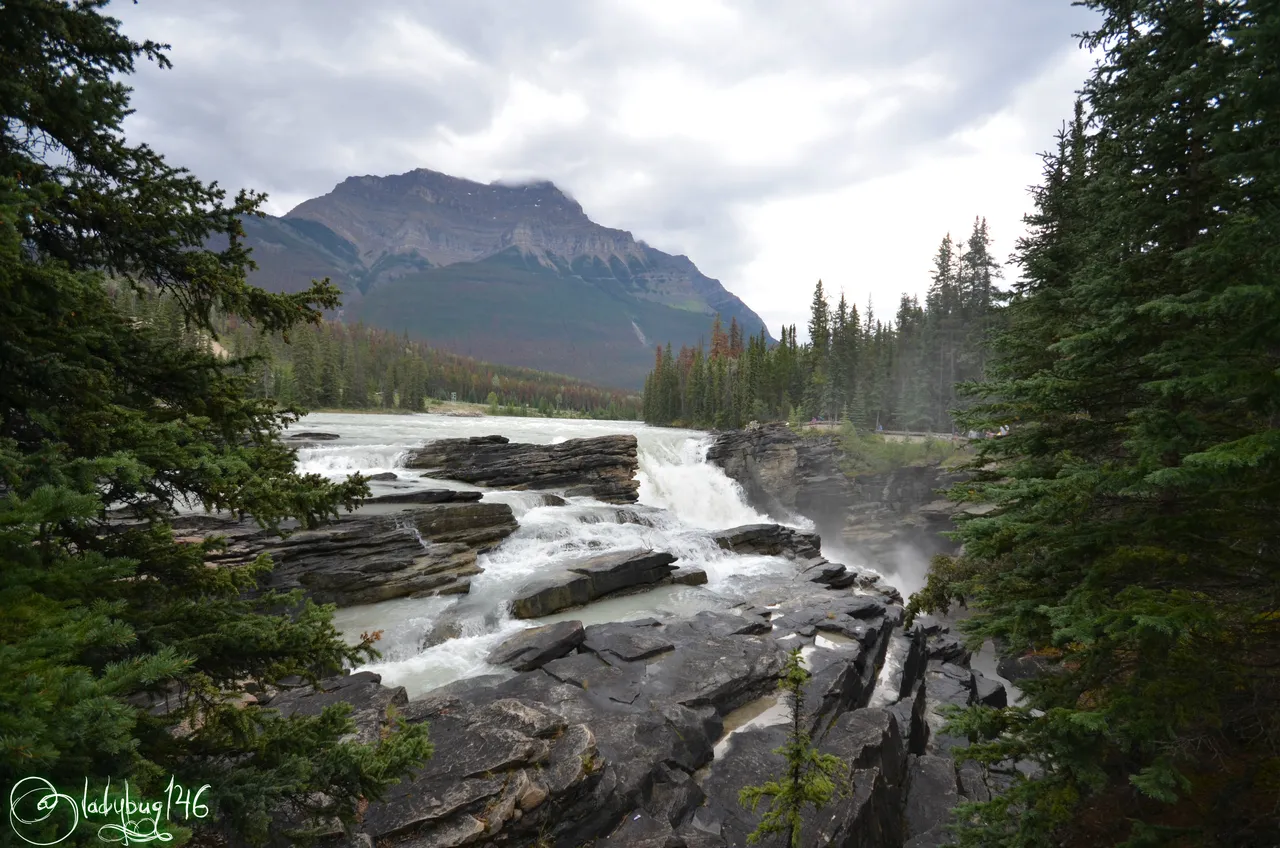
point(625, 642)
point(602, 467)
point(583, 581)
point(426, 496)
point(538, 646)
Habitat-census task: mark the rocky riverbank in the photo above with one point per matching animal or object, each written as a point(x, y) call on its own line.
point(429, 543)
point(642, 733)
point(427, 548)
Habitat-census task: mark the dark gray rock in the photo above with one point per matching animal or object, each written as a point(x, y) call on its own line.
point(932, 792)
point(501, 766)
point(703, 830)
point(641, 830)
point(832, 687)
point(714, 664)
point(537, 646)
point(688, 576)
point(928, 625)
point(363, 691)
point(429, 549)
point(948, 648)
point(583, 581)
point(312, 437)
point(973, 784)
point(384, 477)
point(867, 812)
point(988, 692)
point(1015, 669)
point(784, 474)
point(674, 795)
point(603, 467)
point(625, 641)
point(426, 496)
point(770, 540)
point(910, 713)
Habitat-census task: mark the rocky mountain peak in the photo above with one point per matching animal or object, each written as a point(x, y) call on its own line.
point(511, 271)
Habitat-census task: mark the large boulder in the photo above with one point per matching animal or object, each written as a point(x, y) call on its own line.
point(504, 765)
point(580, 582)
point(603, 467)
point(430, 549)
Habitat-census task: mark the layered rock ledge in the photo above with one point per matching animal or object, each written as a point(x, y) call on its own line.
point(423, 550)
point(603, 467)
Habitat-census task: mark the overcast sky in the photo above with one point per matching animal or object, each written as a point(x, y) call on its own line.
point(774, 143)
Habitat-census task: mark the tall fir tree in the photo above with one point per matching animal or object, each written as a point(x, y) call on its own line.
point(1138, 491)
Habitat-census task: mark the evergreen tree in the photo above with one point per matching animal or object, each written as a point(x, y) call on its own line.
point(819, 325)
point(809, 776)
point(100, 410)
point(1138, 491)
point(899, 375)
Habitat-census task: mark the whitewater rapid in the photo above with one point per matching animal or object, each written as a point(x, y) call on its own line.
point(682, 501)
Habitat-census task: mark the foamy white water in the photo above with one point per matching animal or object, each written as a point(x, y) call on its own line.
point(682, 501)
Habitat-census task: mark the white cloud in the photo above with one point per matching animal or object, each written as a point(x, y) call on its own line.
point(771, 143)
point(877, 237)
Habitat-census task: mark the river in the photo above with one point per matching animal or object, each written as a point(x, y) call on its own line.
point(683, 499)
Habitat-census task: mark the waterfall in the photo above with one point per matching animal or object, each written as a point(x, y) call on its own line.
point(682, 500)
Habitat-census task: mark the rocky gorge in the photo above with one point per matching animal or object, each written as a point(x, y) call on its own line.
point(639, 731)
point(876, 516)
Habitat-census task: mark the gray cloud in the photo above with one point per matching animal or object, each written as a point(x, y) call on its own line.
point(765, 103)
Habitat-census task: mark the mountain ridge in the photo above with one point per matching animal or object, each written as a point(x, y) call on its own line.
point(494, 270)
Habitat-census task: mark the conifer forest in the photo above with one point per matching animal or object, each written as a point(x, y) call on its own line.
point(331, 365)
point(898, 373)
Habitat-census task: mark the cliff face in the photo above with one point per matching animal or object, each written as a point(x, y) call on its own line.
point(876, 515)
point(516, 274)
point(785, 475)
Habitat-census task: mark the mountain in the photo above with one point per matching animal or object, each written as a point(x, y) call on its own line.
point(514, 274)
